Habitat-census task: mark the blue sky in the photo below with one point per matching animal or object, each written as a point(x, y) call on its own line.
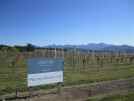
point(43, 22)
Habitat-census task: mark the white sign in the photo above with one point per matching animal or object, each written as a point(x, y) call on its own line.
point(44, 71)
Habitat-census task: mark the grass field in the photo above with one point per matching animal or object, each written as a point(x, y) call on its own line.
point(89, 75)
point(13, 76)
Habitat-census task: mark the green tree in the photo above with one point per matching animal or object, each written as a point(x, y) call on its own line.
point(30, 47)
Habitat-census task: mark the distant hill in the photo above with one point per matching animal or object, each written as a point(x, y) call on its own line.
point(100, 47)
point(97, 47)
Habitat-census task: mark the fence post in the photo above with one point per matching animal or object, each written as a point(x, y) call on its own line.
point(55, 53)
point(16, 76)
point(59, 85)
point(63, 53)
point(3, 98)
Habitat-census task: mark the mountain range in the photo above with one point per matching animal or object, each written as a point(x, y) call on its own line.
point(97, 47)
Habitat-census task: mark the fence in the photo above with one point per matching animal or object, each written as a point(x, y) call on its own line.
point(13, 71)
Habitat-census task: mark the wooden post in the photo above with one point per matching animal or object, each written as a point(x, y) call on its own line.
point(55, 53)
point(93, 56)
point(63, 53)
point(59, 85)
point(16, 92)
point(74, 62)
point(17, 74)
point(30, 94)
point(3, 98)
point(16, 78)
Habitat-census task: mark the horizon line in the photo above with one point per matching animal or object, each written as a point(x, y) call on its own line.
point(24, 44)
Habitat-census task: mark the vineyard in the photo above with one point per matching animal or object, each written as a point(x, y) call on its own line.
point(79, 67)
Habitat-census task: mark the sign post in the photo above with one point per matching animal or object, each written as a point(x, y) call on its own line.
point(14, 64)
point(43, 71)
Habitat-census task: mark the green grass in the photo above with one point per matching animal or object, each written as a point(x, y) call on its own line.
point(89, 75)
point(95, 75)
point(9, 80)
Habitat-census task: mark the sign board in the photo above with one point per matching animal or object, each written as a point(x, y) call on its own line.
point(44, 71)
